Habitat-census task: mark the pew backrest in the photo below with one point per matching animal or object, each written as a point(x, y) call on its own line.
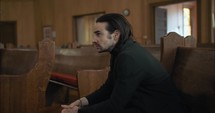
point(169, 45)
point(69, 61)
point(17, 61)
point(192, 69)
point(194, 75)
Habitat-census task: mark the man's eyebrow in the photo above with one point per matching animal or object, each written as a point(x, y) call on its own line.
point(96, 31)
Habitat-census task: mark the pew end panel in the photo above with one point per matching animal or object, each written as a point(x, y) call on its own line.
point(190, 41)
point(11, 100)
point(169, 45)
point(24, 91)
point(192, 69)
point(39, 76)
point(194, 75)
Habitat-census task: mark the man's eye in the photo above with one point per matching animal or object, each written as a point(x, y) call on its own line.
point(98, 34)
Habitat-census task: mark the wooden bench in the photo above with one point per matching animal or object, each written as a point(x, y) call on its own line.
point(24, 76)
point(155, 50)
point(169, 45)
point(192, 69)
point(81, 69)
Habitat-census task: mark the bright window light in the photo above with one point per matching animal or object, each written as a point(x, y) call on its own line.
point(187, 22)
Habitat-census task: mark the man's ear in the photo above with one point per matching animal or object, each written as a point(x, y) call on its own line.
point(116, 35)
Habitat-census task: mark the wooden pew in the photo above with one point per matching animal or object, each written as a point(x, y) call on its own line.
point(154, 50)
point(194, 75)
point(82, 69)
point(24, 77)
point(192, 69)
point(169, 45)
point(79, 69)
point(91, 80)
point(71, 60)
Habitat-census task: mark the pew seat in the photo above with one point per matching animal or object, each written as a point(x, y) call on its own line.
point(64, 79)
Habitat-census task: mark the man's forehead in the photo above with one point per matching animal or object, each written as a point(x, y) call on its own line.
point(100, 26)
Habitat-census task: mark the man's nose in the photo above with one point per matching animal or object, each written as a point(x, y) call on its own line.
point(93, 39)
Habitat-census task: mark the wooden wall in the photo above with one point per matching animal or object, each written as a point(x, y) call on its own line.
point(23, 13)
point(32, 15)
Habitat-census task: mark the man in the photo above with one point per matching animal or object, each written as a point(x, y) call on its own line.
point(136, 83)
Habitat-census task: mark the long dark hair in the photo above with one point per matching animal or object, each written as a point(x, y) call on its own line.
point(117, 22)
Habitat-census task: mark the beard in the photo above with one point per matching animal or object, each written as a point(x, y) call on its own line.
point(108, 48)
point(100, 49)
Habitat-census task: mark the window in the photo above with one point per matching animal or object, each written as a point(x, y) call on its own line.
point(84, 28)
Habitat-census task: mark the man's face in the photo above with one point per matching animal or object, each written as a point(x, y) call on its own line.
point(103, 40)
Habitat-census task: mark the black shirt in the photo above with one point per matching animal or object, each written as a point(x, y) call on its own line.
point(137, 83)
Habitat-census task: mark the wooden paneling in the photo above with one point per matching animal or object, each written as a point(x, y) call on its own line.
point(32, 15)
point(22, 13)
point(21, 90)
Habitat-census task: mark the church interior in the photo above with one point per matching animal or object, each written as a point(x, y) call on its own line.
point(47, 58)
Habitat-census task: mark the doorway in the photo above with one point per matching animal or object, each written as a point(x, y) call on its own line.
point(84, 28)
point(8, 37)
point(180, 18)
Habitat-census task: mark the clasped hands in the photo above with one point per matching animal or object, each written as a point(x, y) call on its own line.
point(72, 108)
point(75, 106)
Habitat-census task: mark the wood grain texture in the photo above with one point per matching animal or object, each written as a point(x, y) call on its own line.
point(25, 92)
point(193, 71)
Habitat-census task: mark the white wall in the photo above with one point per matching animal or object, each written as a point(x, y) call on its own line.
point(175, 18)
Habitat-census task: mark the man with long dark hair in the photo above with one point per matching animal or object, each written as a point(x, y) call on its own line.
point(137, 83)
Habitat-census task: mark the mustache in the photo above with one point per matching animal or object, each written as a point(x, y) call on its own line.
point(96, 44)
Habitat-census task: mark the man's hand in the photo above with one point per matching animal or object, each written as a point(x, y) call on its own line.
point(69, 109)
point(73, 107)
point(76, 103)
